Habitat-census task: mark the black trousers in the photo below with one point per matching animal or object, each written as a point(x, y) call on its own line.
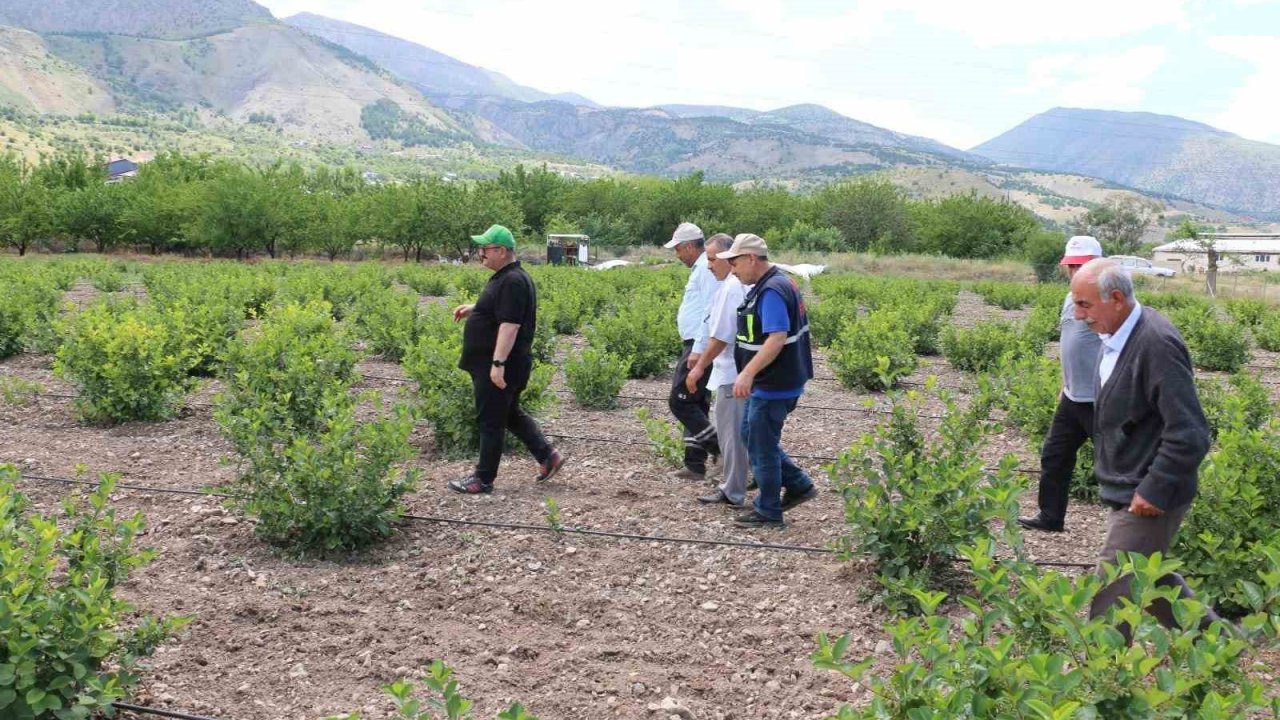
point(497, 411)
point(693, 410)
point(1072, 426)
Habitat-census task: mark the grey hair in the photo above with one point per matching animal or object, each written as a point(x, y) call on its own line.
point(719, 241)
point(1110, 276)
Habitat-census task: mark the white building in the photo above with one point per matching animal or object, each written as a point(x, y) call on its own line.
point(1237, 252)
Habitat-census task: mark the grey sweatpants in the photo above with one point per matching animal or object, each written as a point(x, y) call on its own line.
point(1144, 536)
point(727, 417)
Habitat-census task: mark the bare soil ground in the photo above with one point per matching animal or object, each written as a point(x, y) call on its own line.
point(571, 626)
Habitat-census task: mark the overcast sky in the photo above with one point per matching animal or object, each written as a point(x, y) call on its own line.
point(956, 71)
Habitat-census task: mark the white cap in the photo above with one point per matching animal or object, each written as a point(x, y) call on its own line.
point(686, 232)
point(1081, 249)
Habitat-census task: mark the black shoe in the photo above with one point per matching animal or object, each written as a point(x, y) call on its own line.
point(790, 500)
point(552, 466)
point(471, 486)
point(716, 498)
point(752, 485)
point(1038, 522)
point(754, 519)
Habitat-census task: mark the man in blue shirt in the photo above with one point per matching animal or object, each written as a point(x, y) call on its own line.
point(693, 409)
point(774, 362)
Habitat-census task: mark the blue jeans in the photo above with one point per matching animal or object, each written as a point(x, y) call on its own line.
point(773, 470)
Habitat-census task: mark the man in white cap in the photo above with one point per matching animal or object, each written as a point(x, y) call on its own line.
point(693, 409)
point(722, 333)
point(1072, 424)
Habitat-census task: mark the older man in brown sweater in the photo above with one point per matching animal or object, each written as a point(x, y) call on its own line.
point(1150, 432)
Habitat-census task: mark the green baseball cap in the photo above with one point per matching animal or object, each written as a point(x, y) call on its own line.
point(496, 235)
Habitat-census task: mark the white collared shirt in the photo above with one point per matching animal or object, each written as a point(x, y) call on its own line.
point(722, 324)
point(1113, 344)
point(696, 303)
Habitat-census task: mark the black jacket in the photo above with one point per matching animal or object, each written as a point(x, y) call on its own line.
point(1150, 433)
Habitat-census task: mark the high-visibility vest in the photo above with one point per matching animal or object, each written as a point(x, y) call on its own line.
point(794, 365)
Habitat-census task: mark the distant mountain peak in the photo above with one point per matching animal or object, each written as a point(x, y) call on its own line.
point(430, 71)
point(165, 19)
point(1160, 154)
point(807, 111)
point(1130, 118)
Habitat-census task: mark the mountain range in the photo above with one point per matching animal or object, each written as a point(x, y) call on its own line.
point(1158, 154)
point(315, 79)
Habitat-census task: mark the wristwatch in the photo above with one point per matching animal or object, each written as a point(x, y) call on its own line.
point(499, 363)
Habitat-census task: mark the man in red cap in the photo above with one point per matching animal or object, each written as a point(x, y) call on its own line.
point(1072, 424)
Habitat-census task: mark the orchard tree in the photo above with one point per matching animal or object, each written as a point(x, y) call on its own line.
point(245, 210)
point(154, 209)
point(25, 215)
point(470, 211)
point(664, 204)
point(973, 226)
point(1198, 237)
point(91, 213)
point(1119, 222)
point(761, 209)
point(539, 194)
point(869, 213)
point(332, 223)
point(70, 170)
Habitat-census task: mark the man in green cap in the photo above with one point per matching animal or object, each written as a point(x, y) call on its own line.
point(496, 351)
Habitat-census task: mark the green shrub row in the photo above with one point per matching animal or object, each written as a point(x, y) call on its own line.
point(69, 647)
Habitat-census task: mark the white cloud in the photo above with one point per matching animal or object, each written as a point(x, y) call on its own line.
point(1255, 103)
point(1018, 22)
point(1095, 81)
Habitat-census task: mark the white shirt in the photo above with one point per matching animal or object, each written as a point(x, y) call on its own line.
point(722, 324)
point(695, 304)
point(1113, 344)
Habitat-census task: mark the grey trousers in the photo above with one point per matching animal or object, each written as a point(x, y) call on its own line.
point(1145, 536)
point(727, 418)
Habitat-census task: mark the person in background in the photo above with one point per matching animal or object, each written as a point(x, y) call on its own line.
point(1072, 425)
point(497, 346)
point(727, 412)
point(1149, 431)
point(774, 361)
point(692, 407)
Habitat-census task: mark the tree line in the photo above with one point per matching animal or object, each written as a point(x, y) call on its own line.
point(196, 204)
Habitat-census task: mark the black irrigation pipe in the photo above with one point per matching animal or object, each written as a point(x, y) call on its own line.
point(873, 410)
point(69, 396)
point(159, 712)
point(623, 536)
point(126, 486)
point(646, 443)
point(824, 458)
point(540, 528)
point(620, 441)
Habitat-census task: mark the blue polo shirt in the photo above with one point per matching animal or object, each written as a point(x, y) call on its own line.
point(774, 317)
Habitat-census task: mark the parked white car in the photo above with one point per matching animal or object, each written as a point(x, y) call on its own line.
point(1142, 266)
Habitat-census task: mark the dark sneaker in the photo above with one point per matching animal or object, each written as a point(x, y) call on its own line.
point(685, 473)
point(790, 500)
point(718, 498)
point(552, 466)
point(471, 486)
point(1038, 522)
point(754, 519)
